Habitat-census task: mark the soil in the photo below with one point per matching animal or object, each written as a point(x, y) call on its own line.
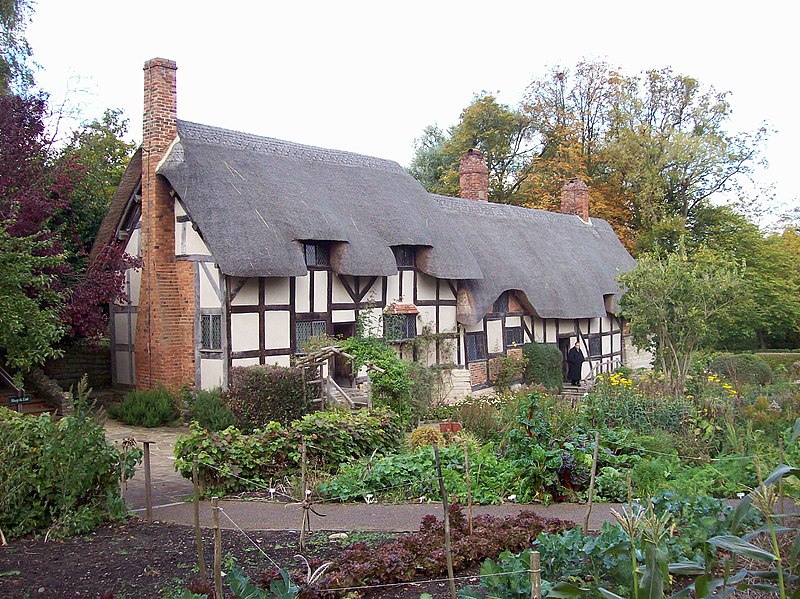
point(136, 559)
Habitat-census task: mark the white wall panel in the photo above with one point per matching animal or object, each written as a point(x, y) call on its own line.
point(447, 319)
point(277, 329)
point(513, 321)
point(445, 292)
point(426, 287)
point(550, 331)
point(393, 288)
point(244, 332)
point(210, 374)
point(606, 344)
point(375, 293)
point(124, 374)
point(245, 362)
point(494, 336)
point(248, 295)
point(343, 316)
point(339, 294)
point(566, 326)
point(208, 291)
point(121, 328)
point(616, 342)
point(301, 294)
point(408, 286)
point(320, 291)
point(276, 291)
point(474, 328)
point(427, 316)
point(278, 360)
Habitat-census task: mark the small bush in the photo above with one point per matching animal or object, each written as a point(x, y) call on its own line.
point(258, 395)
point(148, 408)
point(61, 476)
point(543, 365)
point(481, 416)
point(743, 369)
point(425, 435)
point(508, 371)
point(209, 409)
point(422, 382)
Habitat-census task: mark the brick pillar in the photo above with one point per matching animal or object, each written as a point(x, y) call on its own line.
point(165, 323)
point(473, 176)
point(575, 199)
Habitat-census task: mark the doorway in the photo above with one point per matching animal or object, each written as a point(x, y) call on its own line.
point(563, 346)
point(342, 367)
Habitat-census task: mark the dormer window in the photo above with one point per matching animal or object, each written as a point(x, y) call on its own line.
point(316, 253)
point(404, 256)
point(501, 303)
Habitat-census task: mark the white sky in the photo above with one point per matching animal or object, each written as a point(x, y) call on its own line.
point(369, 76)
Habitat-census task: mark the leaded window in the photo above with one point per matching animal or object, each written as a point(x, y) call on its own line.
point(476, 347)
point(316, 254)
point(513, 336)
point(595, 346)
point(211, 331)
point(404, 256)
point(305, 330)
point(501, 303)
point(399, 327)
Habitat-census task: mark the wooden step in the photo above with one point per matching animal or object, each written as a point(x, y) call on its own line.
point(33, 408)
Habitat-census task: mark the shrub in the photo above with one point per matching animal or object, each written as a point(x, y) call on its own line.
point(482, 416)
point(208, 409)
point(421, 391)
point(258, 395)
point(543, 365)
point(509, 370)
point(743, 369)
point(424, 436)
point(62, 475)
point(148, 408)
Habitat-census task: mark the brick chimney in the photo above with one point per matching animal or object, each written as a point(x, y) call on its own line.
point(164, 343)
point(575, 199)
point(473, 176)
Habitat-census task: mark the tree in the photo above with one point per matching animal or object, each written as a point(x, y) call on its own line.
point(498, 130)
point(671, 303)
point(15, 73)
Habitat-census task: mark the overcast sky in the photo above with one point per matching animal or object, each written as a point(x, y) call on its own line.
point(369, 76)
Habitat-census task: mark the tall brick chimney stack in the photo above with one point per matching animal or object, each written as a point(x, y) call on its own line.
point(473, 176)
point(164, 342)
point(575, 199)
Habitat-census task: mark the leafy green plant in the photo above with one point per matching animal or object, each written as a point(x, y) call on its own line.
point(208, 409)
point(425, 435)
point(543, 365)
point(148, 408)
point(505, 578)
point(742, 369)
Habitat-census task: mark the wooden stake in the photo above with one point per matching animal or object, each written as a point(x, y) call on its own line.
point(469, 489)
point(780, 480)
point(148, 492)
point(536, 576)
point(448, 550)
point(591, 482)
point(304, 498)
point(198, 536)
point(217, 547)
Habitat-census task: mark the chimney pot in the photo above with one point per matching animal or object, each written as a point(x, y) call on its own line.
point(473, 176)
point(575, 199)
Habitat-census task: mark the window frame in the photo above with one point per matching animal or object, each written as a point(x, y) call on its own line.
point(483, 345)
point(207, 337)
point(500, 305)
point(316, 254)
point(598, 340)
point(404, 251)
point(298, 349)
point(517, 331)
point(408, 328)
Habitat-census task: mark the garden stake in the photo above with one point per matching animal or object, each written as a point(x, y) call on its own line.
point(148, 492)
point(591, 482)
point(536, 576)
point(780, 480)
point(304, 498)
point(217, 547)
point(447, 548)
point(469, 490)
point(201, 564)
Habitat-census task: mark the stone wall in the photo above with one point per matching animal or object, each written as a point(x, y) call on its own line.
point(633, 357)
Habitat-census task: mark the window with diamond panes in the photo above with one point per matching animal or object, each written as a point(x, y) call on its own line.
point(316, 254)
point(404, 256)
point(501, 304)
point(211, 331)
point(595, 346)
point(476, 347)
point(305, 330)
point(399, 327)
point(514, 337)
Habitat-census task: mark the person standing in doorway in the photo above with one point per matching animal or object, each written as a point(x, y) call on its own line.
point(575, 364)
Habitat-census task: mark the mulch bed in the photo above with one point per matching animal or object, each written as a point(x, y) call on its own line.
point(136, 559)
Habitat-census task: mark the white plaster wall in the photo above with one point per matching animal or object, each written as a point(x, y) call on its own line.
point(606, 344)
point(248, 295)
point(135, 280)
point(339, 294)
point(513, 321)
point(373, 320)
point(278, 360)
point(123, 368)
point(474, 328)
point(427, 316)
point(594, 325)
point(245, 362)
point(208, 293)
point(426, 287)
point(408, 286)
point(616, 342)
point(494, 336)
point(179, 211)
point(445, 292)
point(277, 330)
point(276, 291)
point(244, 332)
point(134, 245)
point(343, 316)
point(301, 292)
point(606, 323)
point(210, 374)
point(375, 293)
point(566, 326)
point(320, 291)
point(550, 330)
point(392, 288)
point(194, 243)
point(121, 328)
point(447, 319)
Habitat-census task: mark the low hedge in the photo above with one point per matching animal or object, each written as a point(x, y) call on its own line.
point(543, 365)
point(148, 408)
point(258, 395)
point(743, 369)
point(232, 460)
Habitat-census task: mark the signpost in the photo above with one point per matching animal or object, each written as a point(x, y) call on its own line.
point(17, 400)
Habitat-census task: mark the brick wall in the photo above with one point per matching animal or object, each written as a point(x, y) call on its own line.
point(473, 176)
point(165, 326)
point(575, 199)
point(77, 361)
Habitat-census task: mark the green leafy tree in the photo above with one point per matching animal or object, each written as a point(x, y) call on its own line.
point(15, 72)
point(672, 302)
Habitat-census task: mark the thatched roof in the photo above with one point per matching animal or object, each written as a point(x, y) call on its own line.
point(255, 200)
